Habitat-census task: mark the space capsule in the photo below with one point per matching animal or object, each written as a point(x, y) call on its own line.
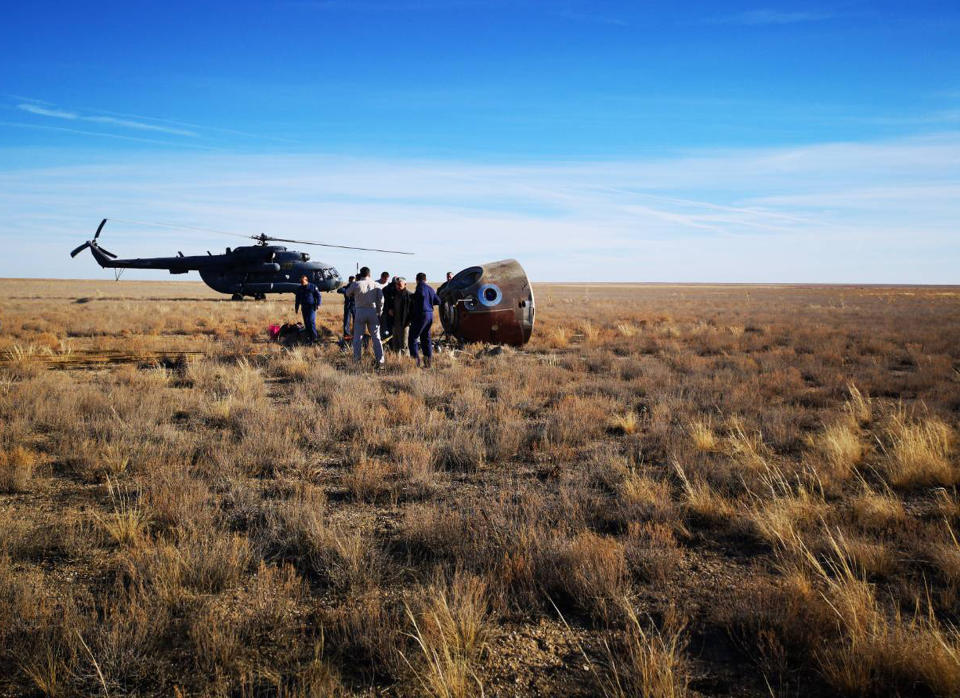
point(490, 303)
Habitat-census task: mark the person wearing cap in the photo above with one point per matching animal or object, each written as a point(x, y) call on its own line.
point(368, 299)
point(421, 320)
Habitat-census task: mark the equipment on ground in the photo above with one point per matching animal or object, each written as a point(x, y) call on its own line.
point(250, 270)
point(491, 303)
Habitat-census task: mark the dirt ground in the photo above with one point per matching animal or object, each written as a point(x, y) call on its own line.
point(672, 490)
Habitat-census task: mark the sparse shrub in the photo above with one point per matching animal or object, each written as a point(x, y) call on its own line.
point(559, 338)
point(702, 502)
point(625, 423)
point(651, 551)
point(876, 651)
point(294, 365)
point(746, 447)
point(416, 462)
point(859, 406)
point(16, 469)
point(216, 635)
point(644, 498)
point(574, 421)
point(919, 452)
point(212, 561)
point(128, 523)
point(841, 447)
point(647, 663)
point(462, 451)
point(370, 479)
point(449, 623)
point(877, 510)
point(781, 520)
point(589, 572)
point(703, 436)
point(368, 630)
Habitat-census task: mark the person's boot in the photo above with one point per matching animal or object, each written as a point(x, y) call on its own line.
point(426, 362)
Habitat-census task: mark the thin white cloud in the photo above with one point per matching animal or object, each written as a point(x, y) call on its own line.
point(192, 126)
point(838, 212)
point(46, 111)
point(57, 113)
point(592, 18)
point(101, 134)
point(768, 16)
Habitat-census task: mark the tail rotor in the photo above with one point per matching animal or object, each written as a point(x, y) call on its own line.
point(93, 243)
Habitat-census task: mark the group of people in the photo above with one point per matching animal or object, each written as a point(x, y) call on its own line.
point(385, 309)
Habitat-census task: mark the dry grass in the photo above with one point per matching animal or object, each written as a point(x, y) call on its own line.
point(16, 469)
point(703, 436)
point(450, 624)
point(842, 448)
point(186, 508)
point(128, 522)
point(879, 648)
point(647, 662)
point(920, 452)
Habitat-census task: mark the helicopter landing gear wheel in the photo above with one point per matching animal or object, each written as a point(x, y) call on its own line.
point(236, 297)
point(259, 296)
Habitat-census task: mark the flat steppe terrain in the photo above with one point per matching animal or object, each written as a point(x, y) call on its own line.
point(672, 490)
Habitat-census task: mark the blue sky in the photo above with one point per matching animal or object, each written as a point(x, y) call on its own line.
point(591, 140)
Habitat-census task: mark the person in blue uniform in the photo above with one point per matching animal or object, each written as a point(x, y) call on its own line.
point(308, 299)
point(421, 319)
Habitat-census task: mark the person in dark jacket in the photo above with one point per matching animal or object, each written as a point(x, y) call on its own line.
point(421, 319)
point(399, 313)
point(308, 299)
point(348, 306)
point(386, 320)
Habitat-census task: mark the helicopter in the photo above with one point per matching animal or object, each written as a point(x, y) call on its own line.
point(249, 270)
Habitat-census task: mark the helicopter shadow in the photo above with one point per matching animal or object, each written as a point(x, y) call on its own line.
point(84, 300)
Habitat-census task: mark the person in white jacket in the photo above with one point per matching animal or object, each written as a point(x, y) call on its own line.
point(368, 304)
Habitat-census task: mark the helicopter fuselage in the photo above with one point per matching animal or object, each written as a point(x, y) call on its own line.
point(251, 270)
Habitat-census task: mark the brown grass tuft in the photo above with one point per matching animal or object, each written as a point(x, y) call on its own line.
point(16, 469)
point(648, 663)
point(919, 452)
point(703, 436)
point(450, 625)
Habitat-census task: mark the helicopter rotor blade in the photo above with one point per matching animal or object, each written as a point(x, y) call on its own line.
point(110, 254)
point(327, 244)
point(99, 228)
point(79, 249)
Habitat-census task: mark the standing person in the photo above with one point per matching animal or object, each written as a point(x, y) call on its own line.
point(384, 279)
point(307, 297)
point(348, 305)
point(399, 312)
point(368, 299)
point(449, 275)
point(421, 319)
point(386, 320)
